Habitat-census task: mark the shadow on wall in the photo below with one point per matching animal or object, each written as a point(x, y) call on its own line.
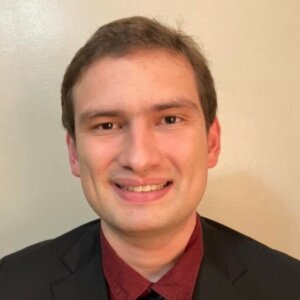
point(245, 203)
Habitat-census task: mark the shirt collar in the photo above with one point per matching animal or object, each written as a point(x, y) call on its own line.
point(178, 283)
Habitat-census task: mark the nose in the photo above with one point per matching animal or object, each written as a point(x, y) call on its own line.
point(140, 150)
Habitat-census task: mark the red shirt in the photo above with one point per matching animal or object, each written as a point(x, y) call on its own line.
point(178, 283)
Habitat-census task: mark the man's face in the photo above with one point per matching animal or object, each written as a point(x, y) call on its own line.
point(142, 150)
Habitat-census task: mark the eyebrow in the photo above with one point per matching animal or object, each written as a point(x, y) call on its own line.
point(179, 103)
point(92, 114)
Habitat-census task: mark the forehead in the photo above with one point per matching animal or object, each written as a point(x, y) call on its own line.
point(135, 81)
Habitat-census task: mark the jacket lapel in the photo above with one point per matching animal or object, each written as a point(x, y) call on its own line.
point(86, 279)
point(220, 268)
point(213, 285)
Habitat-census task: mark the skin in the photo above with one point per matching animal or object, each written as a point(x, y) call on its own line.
point(139, 125)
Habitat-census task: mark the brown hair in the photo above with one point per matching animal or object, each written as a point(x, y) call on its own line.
point(122, 36)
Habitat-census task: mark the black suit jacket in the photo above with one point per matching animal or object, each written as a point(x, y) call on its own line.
point(69, 267)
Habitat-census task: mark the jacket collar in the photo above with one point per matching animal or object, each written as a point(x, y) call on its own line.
point(220, 268)
point(83, 261)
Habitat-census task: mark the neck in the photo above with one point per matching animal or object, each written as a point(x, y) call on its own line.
point(151, 255)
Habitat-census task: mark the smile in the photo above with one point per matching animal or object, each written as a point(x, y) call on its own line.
point(143, 188)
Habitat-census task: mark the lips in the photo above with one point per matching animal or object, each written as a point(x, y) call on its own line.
point(140, 191)
point(143, 188)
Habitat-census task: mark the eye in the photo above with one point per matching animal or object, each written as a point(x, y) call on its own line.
point(171, 120)
point(107, 126)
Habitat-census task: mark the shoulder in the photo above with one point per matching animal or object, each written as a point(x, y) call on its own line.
point(40, 263)
point(264, 269)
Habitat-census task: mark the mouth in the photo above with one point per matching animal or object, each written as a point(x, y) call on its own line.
point(146, 188)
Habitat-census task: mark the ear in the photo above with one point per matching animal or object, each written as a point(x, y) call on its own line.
point(73, 156)
point(213, 142)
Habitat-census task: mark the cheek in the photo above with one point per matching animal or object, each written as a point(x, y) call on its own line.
point(189, 153)
point(192, 171)
point(88, 155)
point(96, 156)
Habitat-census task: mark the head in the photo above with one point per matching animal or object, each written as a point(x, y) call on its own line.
point(139, 107)
point(124, 36)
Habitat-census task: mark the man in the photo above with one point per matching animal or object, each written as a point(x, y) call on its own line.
point(139, 107)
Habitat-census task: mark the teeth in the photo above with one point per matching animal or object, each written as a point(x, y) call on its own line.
point(143, 188)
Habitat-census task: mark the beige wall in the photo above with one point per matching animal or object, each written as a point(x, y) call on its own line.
point(254, 49)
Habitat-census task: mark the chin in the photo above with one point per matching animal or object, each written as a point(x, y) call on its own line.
point(140, 225)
